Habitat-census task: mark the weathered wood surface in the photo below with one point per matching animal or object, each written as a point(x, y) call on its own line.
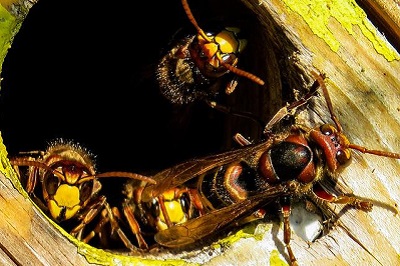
point(27, 238)
point(364, 82)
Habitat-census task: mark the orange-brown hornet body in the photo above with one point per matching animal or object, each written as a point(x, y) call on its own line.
point(192, 69)
point(195, 200)
point(64, 183)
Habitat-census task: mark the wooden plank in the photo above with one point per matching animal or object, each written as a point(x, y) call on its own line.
point(363, 80)
point(26, 237)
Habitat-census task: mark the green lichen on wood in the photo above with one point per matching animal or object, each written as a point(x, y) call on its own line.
point(318, 13)
point(12, 15)
point(276, 259)
point(98, 256)
point(102, 257)
point(251, 230)
point(6, 168)
point(8, 27)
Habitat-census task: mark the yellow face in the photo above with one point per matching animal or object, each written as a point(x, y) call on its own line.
point(65, 202)
point(173, 208)
point(227, 42)
point(225, 45)
point(69, 185)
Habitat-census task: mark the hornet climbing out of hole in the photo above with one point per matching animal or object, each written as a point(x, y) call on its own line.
point(196, 200)
point(193, 68)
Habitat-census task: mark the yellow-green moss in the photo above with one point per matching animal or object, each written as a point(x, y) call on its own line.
point(248, 231)
point(6, 168)
point(317, 13)
point(276, 260)
point(7, 28)
point(103, 257)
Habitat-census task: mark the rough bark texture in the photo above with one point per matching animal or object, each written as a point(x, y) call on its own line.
point(363, 79)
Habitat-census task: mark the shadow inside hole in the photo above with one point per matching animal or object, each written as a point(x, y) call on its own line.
point(87, 73)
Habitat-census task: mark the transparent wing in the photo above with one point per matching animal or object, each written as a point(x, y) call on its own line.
point(179, 174)
point(200, 227)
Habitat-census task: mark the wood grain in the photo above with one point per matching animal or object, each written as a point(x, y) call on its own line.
point(363, 82)
point(26, 237)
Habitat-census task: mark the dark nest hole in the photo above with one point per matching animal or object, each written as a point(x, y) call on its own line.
point(86, 72)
